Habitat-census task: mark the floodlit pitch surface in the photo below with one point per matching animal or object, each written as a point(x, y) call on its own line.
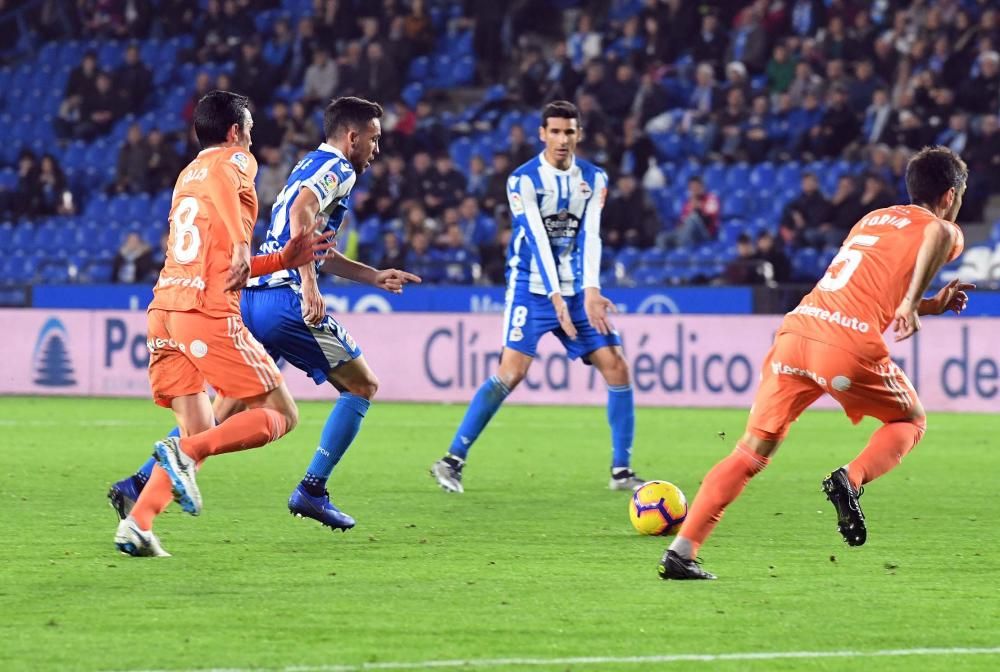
point(535, 567)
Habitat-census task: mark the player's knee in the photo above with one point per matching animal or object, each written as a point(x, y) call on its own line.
point(291, 413)
point(365, 388)
point(617, 371)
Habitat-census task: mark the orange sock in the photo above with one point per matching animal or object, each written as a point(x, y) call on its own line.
point(245, 430)
point(721, 486)
point(885, 450)
point(154, 498)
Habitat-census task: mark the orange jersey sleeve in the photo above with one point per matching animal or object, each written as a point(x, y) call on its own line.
point(853, 303)
point(214, 206)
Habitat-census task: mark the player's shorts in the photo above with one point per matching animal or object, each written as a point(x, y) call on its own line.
point(798, 370)
point(274, 315)
point(188, 349)
point(527, 317)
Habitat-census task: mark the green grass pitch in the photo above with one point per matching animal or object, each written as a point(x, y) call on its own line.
point(536, 561)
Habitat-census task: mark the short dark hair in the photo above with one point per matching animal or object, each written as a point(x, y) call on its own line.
point(932, 172)
point(215, 113)
point(349, 112)
point(560, 109)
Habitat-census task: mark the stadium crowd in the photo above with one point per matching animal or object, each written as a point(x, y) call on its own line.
point(743, 139)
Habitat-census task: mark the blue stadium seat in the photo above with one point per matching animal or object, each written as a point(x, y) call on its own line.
point(628, 259)
point(714, 176)
point(419, 70)
point(650, 276)
point(789, 175)
point(738, 176)
point(463, 71)
point(804, 263)
point(98, 271)
point(653, 257)
point(735, 203)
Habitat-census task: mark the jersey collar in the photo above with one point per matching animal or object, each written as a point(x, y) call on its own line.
point(559, 171)
point(324, 147)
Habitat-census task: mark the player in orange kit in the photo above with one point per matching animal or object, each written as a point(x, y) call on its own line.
point(832, 343)
point(195, 332)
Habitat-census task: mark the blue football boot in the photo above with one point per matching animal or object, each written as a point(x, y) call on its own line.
point(123, 494)
point(303, 505)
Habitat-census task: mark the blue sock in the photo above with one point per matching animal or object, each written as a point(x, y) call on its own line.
point(482, 409)
point(341, 427)
point(621, 417)
point(147, 467)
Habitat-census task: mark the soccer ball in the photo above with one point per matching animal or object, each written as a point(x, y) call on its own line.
point(657, 508)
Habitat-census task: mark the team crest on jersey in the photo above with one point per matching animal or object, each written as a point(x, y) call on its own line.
point(562, 215)
point(585, 190)
point(516, 206)
point(240, 160)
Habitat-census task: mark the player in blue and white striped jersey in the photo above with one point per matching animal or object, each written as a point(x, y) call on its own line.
point(287, 314)
point(553, 285)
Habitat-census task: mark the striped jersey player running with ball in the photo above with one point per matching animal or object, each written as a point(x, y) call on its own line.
point(553, 285)
point(831, 343)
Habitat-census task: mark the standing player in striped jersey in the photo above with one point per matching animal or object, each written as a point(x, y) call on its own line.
point(195, 332)
point(553, 285)
point(285, 311)
point(832, 343)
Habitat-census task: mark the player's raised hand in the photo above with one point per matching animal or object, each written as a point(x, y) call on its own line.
point(906, 321)
point(597, 307)
point(239, 268)
point(306, 248)
point(392, 280)
point(952, 297)
point(562, 314)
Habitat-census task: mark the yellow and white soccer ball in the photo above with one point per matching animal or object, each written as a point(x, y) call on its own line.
point(657, 508)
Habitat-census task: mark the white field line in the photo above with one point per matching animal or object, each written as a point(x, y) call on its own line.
point(486, 663)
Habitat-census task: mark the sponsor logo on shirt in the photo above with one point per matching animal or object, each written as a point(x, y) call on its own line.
point(836, 317)
point(240, 160)
point(154, 344)
point(170, 281)
point(777, 368)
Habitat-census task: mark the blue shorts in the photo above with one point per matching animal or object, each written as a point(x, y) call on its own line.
point(274, 316)
point(527, 317)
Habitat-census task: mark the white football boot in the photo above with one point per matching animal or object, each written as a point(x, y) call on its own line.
point(131, 540)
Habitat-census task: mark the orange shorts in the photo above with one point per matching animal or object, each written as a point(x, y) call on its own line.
point(797, 371)
point(189, 348)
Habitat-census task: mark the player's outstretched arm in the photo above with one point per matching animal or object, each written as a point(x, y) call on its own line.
point(390, 279)
point(932, 255)
point(951, 297)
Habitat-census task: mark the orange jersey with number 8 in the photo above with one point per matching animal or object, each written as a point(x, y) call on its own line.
point(214, 206)
point(855, 300)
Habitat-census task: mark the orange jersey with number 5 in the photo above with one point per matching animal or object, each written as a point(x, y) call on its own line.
point(855, 300)
point(214, 206)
